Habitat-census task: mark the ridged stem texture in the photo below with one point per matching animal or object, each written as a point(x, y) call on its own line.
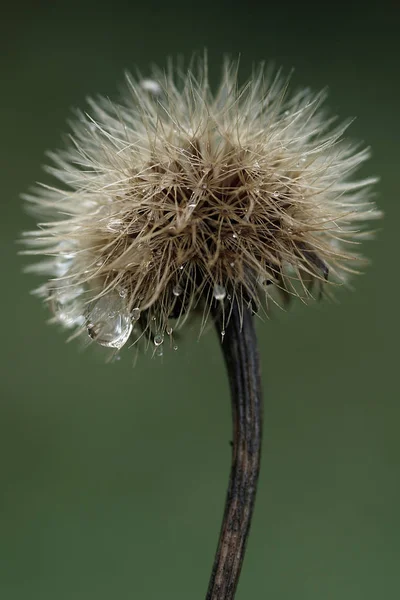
point(239, 347)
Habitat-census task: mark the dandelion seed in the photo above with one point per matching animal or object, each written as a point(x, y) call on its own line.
point(121, 209)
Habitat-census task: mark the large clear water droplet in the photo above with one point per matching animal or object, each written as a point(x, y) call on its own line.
point(108, 321)
point(219, 292)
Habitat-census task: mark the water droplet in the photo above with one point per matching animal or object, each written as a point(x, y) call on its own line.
point(175, 347)
point(276, 193)
point(159, 351)
point(169, 330)
point(204, 186)
point(181, 268)
point(286, 113)
point(232, 264)
point(108, 321)
point(177, 290)
point(223, 333)
point(158, 339)
point(135, 314)
point(123, 292)
point(192, 205)
point(229, 297)
point(234, 235)
point(219, 292)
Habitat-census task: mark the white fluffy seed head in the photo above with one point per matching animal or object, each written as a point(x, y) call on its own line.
point(176, 197)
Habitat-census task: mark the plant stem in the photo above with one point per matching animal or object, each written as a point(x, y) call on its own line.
point(239, 346)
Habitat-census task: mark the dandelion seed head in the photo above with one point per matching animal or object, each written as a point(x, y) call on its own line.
point(178, 196)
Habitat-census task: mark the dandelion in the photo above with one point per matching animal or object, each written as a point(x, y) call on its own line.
point(176, 200)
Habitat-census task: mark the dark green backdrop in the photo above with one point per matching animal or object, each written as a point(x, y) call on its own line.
point(112, 478)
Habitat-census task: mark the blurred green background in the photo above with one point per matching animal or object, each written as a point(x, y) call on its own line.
point(113, 479)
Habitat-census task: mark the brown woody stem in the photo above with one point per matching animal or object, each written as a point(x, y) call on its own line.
point(239, 346)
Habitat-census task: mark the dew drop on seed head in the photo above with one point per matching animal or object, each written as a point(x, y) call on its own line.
point(169, 330)
point(175, 347)
point(276, 193)
point(159, 351)
point(123, 292)
point(108, 321)
point(219, 292)
point(177, 290)
point(158, 339)
point(223, 333)
point(135, 314)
